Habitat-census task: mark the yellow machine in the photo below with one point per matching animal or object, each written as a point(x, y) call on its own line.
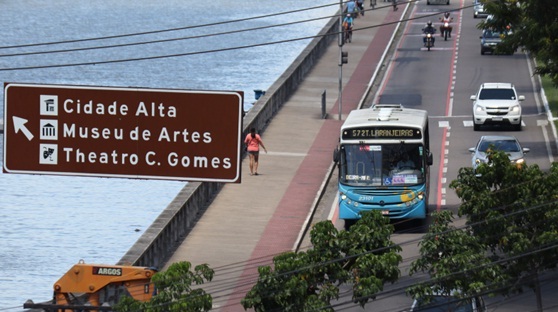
point(97, 287)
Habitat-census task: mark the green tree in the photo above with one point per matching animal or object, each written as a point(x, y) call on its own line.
point(175, 291)
point(454, 260)
point(534, 27)
point(512, 209)
point(363, 257)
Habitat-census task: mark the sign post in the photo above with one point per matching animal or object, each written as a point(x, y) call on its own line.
point(123, 132)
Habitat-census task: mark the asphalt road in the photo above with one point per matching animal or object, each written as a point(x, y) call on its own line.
point(441, 81)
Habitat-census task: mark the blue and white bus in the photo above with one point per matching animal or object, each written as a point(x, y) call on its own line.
point(384, 163)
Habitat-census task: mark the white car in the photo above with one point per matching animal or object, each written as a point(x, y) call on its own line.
point(497, 103)
point(478, 8)
point(506, 143)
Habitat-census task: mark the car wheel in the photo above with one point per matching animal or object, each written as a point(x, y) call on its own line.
point(517, 127)
point(482, 52)
point(476, 127)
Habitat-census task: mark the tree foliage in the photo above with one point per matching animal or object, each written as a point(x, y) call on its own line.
point(363, 257)
point(455, 261)
point(535, 27)
point(175, 291)
point(513, 210)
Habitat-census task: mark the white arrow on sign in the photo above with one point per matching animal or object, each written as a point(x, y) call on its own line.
point(19, 124)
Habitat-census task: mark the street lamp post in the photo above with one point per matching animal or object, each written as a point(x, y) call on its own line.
point(340, 93)
point(342, 58)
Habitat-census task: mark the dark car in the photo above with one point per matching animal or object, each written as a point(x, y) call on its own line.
point(490, 39)
point(447, 2)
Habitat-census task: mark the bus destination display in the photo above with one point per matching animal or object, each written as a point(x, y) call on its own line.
point(381, 133)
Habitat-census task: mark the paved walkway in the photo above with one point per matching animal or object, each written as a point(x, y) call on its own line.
point(249, 223)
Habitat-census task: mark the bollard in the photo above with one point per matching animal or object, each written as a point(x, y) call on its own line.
point(324, 114)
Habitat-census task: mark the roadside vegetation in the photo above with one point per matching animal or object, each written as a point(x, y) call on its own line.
point(551, 92)
point(535, 29)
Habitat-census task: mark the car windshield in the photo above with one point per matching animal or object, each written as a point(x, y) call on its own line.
point(492, 34)
point(382, 164)
point(444, 304)
point(500, 145)
point(497, 94)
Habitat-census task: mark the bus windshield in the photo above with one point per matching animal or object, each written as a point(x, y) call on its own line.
point(382, 164)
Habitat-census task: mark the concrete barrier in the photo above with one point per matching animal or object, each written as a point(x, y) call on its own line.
point(170, 228)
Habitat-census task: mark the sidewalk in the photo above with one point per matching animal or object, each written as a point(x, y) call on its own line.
point(248, 224)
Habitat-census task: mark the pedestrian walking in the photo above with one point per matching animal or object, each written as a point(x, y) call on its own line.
point(360, 7)
point(253, 142)
point(394, 5)
point(352, 8)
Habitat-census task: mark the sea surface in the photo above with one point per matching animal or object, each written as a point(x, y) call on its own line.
point(51, 222)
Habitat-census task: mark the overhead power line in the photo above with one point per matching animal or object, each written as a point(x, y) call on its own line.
point(165, 30)
point(162, 40)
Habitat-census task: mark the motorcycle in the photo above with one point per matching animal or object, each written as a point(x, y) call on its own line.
point(445, 29)
point(429, 41)
point(429, 32)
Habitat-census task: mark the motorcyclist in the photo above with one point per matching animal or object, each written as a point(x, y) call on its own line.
point(446, 19)
point(429, 29)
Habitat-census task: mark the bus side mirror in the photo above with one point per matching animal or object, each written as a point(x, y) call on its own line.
point(429, 160)
point(336, 154)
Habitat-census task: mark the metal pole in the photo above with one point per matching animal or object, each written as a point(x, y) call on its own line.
point(340, 95)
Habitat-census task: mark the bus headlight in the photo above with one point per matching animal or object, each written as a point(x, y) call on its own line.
point(343, 196)
point(420, 196)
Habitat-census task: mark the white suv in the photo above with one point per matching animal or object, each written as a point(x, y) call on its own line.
point(497, 103)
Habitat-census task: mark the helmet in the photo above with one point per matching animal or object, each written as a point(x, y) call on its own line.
point(348, 15)
point(429, 23)
point(447, 14)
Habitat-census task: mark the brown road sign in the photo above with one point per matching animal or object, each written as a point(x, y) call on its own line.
point(123, 132)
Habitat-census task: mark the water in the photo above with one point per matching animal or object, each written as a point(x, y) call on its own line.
point(49, 223)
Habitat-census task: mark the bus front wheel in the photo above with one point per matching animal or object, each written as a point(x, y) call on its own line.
point(349, 223)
